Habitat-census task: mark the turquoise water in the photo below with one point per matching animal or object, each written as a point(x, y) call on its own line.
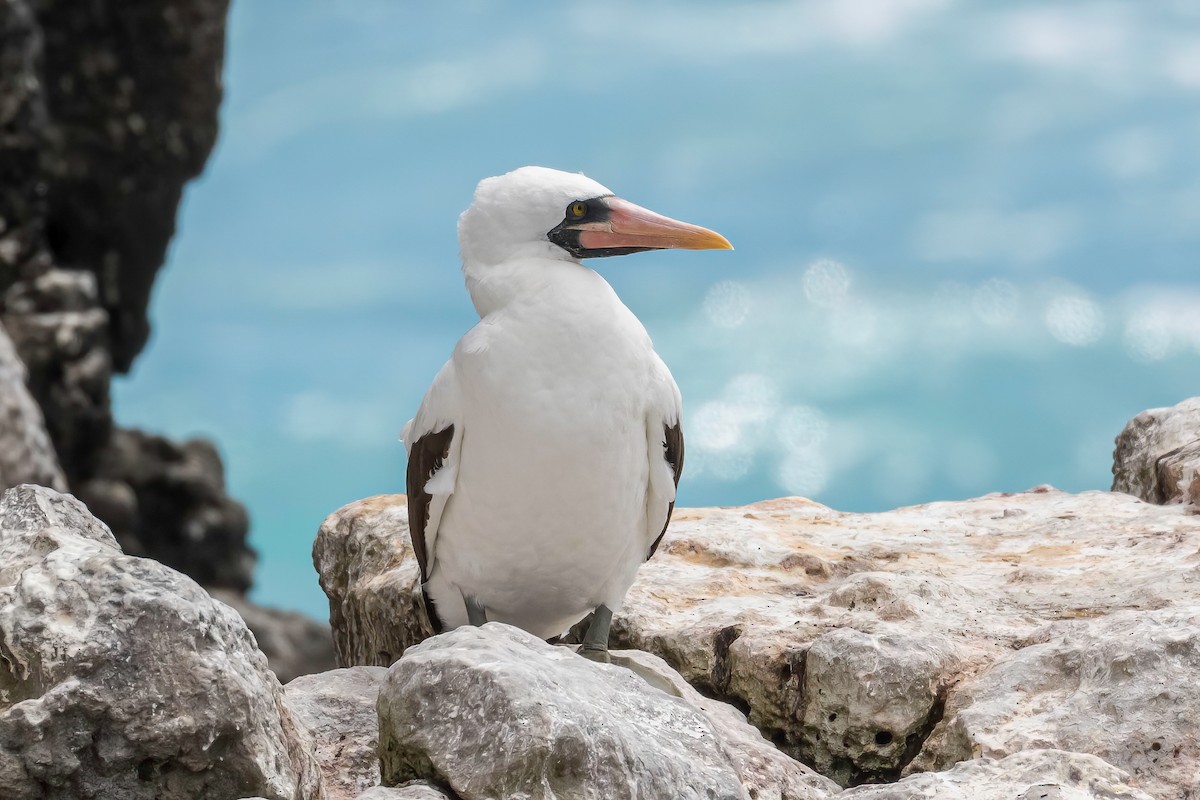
point(966, 237)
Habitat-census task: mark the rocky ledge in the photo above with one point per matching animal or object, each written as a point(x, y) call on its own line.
point(883, 647)
point(1030, 645)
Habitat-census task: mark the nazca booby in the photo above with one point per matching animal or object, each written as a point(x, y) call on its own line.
point(544, 458)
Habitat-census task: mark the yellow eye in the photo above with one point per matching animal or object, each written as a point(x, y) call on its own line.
point(578, 209)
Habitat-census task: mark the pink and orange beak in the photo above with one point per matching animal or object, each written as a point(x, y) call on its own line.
point(610, 226)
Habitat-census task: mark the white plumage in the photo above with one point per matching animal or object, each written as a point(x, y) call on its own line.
point(553, 484)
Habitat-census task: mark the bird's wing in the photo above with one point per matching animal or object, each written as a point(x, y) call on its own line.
point(664, 448)
point(433, 439)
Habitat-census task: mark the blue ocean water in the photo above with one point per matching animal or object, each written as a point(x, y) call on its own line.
point(967, 237)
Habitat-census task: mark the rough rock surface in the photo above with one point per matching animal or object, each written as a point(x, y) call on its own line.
point(1117, 687)
point(294, 644)
point(369, 572)
point(855, 640)
point(1029, 775)
point(122, 678)
point(1157, 457)
point(26, 454)
point(338, 708)
point(763, 769)
point(495, 712)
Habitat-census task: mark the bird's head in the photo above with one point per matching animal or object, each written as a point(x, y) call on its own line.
point(533, 207)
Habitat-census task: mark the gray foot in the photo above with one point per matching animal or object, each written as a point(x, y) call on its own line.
point(595, 641)
point(475, 612)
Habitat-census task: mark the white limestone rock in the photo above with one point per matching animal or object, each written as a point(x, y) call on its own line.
point(417, 790)
point(849, 638)
point(1151, 437)
point(122, 678)
point(1125, 688)
point(338, 708)
point(1028, 775)
point(495, 712)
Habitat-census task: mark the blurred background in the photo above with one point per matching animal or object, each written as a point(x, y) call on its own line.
point(967, 237)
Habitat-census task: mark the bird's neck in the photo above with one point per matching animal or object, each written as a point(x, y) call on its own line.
point(540, 274)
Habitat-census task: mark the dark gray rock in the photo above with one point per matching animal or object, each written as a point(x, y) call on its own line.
point(61, 334)
point(121, 678)
point(22, 139)
point(107, 109)
point(338, 707)
point(167, 501)
point(132, 91)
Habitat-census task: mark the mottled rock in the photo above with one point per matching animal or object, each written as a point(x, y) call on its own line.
point(369, 572)
point(294, 644)
point(845, 636)
point(1147, 439)
point(338, 708)
point(495, 712)
point(1029, 775)
point(26, 454)
point(122, 678)
point(1124, 688)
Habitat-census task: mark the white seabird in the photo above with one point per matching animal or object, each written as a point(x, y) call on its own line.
point(544, 458)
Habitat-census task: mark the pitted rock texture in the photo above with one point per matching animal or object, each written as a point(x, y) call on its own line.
point(1158, 455)
point(1029, 775)
point(852, 639)
point(338, 708)
point(1125, 688)
point(26, 454)
point(119, 677)
point(495, 712)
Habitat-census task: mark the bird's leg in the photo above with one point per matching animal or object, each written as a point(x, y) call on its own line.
point(475, 613)
point(595, 641)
